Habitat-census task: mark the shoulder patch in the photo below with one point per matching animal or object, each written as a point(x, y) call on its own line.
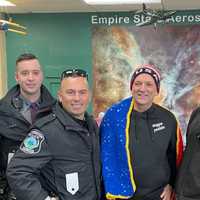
point(32, 142)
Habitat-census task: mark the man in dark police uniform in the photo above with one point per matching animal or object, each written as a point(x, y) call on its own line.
point(21, 106)
point(63, 147)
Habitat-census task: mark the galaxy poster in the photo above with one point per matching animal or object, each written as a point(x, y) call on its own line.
point(173, 49)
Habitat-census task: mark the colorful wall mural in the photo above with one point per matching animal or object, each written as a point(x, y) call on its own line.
point(174, 50)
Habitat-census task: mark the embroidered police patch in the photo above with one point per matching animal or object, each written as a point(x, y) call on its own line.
point(32, 143)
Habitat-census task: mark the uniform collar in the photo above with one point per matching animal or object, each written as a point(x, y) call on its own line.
point(27, 103)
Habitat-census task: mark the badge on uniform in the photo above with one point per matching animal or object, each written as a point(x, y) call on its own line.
point(32, 143)
point(72, 182)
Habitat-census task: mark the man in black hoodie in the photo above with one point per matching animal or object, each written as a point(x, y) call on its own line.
point(141, 143)
point(20, 107)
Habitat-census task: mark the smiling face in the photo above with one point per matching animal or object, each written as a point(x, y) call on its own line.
point(29, 76)
point(143, 90)
point(74, 95)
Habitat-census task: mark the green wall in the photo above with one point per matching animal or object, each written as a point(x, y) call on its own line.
point(57, 39)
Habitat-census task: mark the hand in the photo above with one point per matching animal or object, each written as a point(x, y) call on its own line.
point(167, 193)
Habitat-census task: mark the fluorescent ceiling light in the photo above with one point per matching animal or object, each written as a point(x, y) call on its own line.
point(6, 3)
point(112, 2)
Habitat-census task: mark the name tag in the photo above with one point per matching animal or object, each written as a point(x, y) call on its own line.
point(72, 182)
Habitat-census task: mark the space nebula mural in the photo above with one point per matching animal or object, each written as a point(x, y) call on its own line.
point(174, 50)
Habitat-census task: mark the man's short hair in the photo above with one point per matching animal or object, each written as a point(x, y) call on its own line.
point(25, 56)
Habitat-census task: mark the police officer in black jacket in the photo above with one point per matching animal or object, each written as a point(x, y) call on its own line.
point(63, 147)
point(18, 110)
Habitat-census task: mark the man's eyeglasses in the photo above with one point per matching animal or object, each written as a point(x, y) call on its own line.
point(74, 73)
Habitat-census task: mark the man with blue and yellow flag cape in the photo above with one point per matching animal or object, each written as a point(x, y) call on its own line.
point(141, 143)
